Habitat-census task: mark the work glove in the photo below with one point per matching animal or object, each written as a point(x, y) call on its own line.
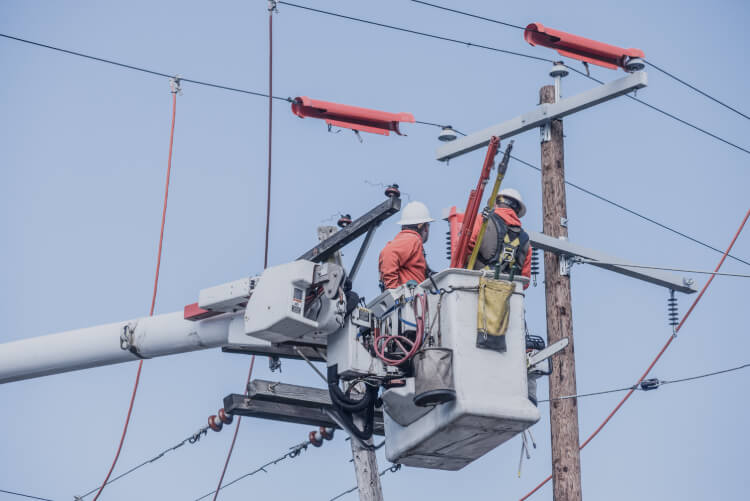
point(486, 212)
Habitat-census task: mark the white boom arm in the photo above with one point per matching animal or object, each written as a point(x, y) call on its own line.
point(103, 345)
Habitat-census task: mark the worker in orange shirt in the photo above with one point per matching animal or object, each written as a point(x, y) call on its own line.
point(402, 259)
point(504, 240)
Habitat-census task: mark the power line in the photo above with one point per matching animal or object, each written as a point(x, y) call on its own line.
point(23, 495)
point(393, 469)
point(631, 211)
point(670, 115)
point(658, 355)
point(658, 382)
point(141, 69)
point(294, 451)
point(470, 15)
point(696, 89)
point(419, 33)
point(628, 265)
point(195, 437)
point(260, 94)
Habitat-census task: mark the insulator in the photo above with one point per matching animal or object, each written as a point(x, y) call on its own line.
point(214, 423)
point(392, 191)
point(224, 417)
point(673, 313)
point(316, 438)
point(448, 247)
point(534, 263)
point(327, 433)
point(345, 220)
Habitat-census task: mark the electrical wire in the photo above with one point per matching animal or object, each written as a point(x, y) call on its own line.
point(468, 14)
point(287, 99)
point(195, 437)
point(660, 382)
point(696, 89)
point(628, 265)
point(419, 33)
point(271, 9)
point(175, 88)
point(294, 451)
point(670, 115)
point(633, 212)
point(658, 356)
point(141, 69)
point(393, 469)
point(23, 495)
point(234, 438)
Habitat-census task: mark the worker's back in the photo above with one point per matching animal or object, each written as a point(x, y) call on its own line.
point(402, 259)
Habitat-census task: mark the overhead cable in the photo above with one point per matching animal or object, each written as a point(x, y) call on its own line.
point(293, 452)
point(658, 355)
point(659, 382)
point(260, 94)
point(24, 495)
point(696, 89)
point(468, 14)
point(633, 212)
point(705, 94)
point(419, 33)
point(628, 265)
point(393, 469)
point(141, 69)
point(175, 88)
point(234, 438)
point(195, 437)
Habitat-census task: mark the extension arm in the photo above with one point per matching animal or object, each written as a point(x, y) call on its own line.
point(101, 345)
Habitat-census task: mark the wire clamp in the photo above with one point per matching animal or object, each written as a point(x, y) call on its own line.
point(650, 384)
point(272, 6)
point(174, 85)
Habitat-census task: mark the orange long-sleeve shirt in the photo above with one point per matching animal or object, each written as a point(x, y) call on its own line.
point(402, 259)
point(509, 216)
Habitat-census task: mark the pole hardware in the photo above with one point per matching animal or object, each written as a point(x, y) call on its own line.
point(566, 263)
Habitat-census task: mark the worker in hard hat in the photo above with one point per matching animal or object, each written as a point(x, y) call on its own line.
point(505, 242)
point(402, 259)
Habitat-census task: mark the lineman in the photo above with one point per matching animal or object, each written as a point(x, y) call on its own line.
point(504, 240)
point(402, 259)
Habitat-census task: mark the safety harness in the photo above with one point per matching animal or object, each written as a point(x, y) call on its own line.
point(505, 244)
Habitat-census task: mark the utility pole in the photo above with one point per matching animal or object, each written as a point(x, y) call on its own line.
point(366, 468)
point(566, 459)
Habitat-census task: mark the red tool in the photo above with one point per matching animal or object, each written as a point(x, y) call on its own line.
point(350, 117)
point(580, 48)
point(461, 250)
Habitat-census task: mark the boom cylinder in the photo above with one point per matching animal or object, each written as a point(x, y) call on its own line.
point(114, 343)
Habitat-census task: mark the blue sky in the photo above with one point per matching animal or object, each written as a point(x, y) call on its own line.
point(83, 150)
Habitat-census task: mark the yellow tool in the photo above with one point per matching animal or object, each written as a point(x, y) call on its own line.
point(491, 204)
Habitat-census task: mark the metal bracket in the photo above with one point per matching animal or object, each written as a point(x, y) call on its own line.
point(545, 132)
point(566, 263)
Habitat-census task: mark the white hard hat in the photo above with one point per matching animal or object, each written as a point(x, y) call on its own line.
point(415, 213)
point(515, 195)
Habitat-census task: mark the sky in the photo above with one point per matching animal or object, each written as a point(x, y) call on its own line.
point(83, 151)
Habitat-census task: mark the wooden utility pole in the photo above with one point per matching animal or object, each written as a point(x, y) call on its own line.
point(366, 469)
point(566, 459)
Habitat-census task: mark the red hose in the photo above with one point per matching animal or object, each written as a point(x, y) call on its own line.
point(153, 297)
point(381, 342)
point(658, 356)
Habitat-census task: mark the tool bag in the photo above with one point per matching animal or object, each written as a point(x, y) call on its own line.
point(433, 377)
point(493, 313)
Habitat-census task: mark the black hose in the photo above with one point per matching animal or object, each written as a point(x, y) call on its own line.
point(340, 399)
